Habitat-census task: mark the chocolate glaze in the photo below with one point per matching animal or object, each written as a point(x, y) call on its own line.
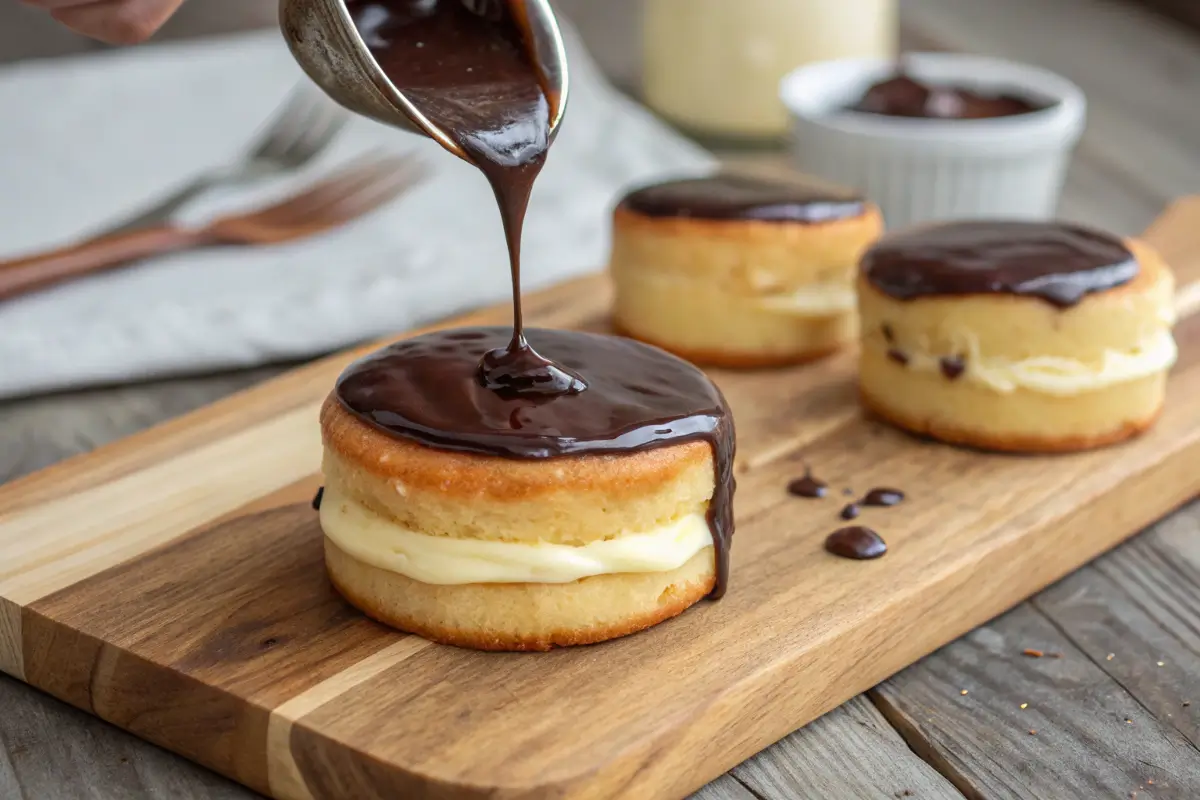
point(316, 501)
point(851, 511)
point(808, 486)
point(904, 96)
point(638, 397)
point(1055, 262)
point(472, 70)
point(952, 366)
point(882, 497)
point(856, 542)
point(731, 197)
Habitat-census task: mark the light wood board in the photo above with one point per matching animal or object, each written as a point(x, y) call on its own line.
point(172, 584)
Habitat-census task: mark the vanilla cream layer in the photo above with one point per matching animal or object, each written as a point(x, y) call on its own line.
point(813, 300)
point(382, 543)
point(1057, 375)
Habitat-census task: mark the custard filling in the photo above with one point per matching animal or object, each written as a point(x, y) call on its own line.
point(382, 543)
point(1057, 375)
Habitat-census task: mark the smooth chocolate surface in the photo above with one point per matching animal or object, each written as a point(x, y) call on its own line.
point(732, 197)
point(426, 389)
point(855, 542)
point(1056, 262)
point(905, 96)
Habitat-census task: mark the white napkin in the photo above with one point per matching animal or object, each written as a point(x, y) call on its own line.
point(86, 141)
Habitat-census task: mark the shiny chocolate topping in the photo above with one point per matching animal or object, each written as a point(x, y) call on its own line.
point(1055, 262)
point(856, 542)
point(638, 397)
point(731, 197)
point(905, 96)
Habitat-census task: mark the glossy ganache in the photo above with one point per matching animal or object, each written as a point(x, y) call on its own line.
point(1055, 262)
point(426, 389)
point(741, 197)
point(905, 96)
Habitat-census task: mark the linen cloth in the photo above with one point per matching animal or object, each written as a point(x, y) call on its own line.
point(86, 141)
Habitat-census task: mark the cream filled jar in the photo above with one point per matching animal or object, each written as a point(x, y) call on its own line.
point(714, 66)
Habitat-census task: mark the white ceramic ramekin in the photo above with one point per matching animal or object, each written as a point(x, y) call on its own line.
point(934, 169)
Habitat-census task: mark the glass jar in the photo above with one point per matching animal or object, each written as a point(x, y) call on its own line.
point(713, 66)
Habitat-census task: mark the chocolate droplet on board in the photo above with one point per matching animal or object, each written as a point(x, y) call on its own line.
point(316, 501)
point(855, 542)
point(851, 511)
point(888, 334)
point(808, 486)
point(953, 366)
point(899, 356)
point(882, 497)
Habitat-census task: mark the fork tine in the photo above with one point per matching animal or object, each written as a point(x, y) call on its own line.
point(285, 125)
point(362, 198)
point(323, 123)
point(325, 195)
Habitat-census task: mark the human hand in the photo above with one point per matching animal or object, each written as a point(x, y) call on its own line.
point(111, 21)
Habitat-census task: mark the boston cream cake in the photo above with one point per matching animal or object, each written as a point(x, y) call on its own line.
point(739, 271)
point(501, 520)
point(1015, 336)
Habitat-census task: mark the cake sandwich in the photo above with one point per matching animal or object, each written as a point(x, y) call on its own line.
point(739, 271)
point(501, 521)
point(1015, 336)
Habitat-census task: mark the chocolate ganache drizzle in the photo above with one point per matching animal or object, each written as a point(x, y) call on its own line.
point(1055, 262)
point(726, 196)
point(468, 67)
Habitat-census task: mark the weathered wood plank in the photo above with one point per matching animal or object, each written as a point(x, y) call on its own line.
point(1093, 739)
point(1141, 604)
point(850, 752)
point(49, 751)
point(725, 787)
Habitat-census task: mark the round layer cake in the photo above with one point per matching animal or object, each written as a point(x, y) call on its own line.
point(1015, 336)
point(739, 271)
point(498, 521)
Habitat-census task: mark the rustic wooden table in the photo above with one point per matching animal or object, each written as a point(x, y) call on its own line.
point(1115, 712)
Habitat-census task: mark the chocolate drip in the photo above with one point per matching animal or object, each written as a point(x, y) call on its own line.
point(882, 497)
point(731, 197)
point(856, 542)
point(472, 70)
point(426, 389)
point(316, 501)
point(808, 486)
point(952, 366)
point(1055, 262)
point(905, 96)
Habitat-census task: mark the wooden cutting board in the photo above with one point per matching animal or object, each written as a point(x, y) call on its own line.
point(172, 583)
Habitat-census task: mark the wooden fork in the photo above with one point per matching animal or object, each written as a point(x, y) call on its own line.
point(359, 188)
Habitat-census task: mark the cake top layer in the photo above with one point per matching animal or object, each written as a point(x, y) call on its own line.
point(1055, 262)
point(428, 389)
point(738, 197)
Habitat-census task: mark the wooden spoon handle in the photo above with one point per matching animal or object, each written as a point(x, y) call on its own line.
point(28, 273)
